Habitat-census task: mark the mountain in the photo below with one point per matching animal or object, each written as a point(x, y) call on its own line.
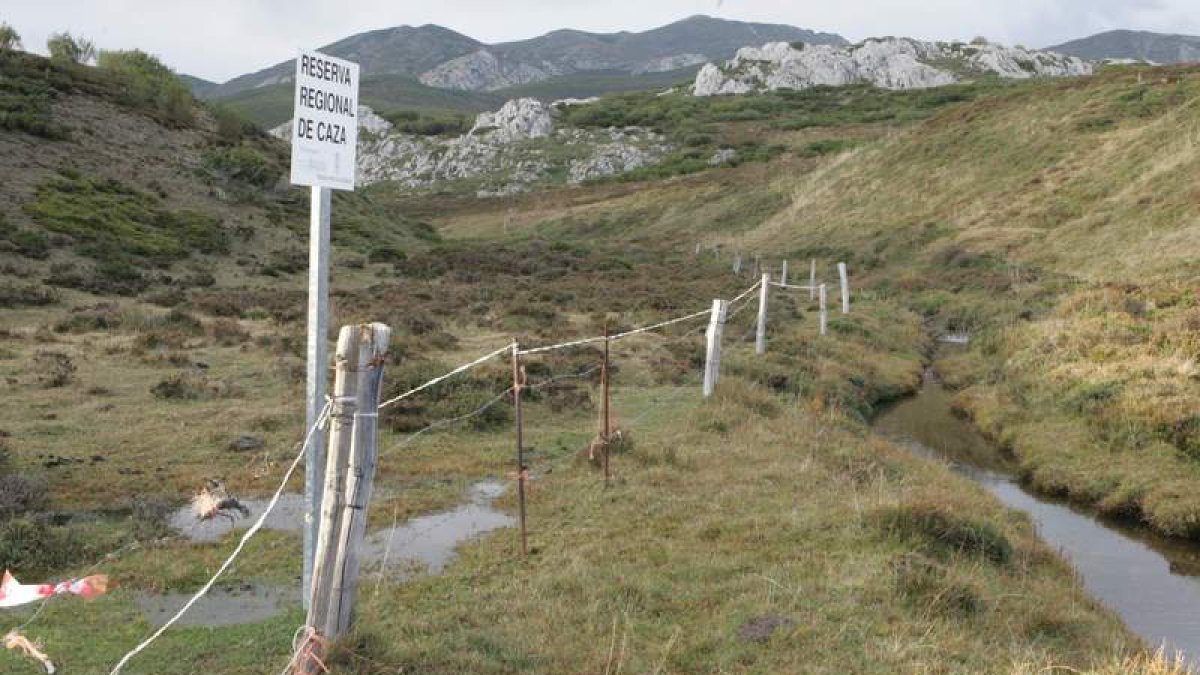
point(442, 58)
point(690, 42)
point(199, 86)
point(1131, 44)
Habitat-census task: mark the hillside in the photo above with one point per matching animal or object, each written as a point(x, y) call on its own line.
point(115, 194)
point(441, 58)
point(1136, 45)
point(1053, 221)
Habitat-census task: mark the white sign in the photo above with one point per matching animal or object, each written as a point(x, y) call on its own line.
point(325, 122)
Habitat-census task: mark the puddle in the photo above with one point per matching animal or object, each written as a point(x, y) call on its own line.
point(427, 542)
point(287, 516)
point(221, 606)
point(1150, 581)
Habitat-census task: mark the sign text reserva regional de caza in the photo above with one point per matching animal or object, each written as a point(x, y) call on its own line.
point(325, 127)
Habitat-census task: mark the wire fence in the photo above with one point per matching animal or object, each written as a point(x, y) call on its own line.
point(745, 299)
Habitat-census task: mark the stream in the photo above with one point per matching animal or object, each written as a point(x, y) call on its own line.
point(1152, 582)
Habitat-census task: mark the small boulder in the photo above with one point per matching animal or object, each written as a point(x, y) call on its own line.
point(246, 443)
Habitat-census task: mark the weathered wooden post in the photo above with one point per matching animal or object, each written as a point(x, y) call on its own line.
point(697, 248)
point(373, 342)
point(812, 280)
point(737, 264)
point(845, 277)
point(518, 385)
point(607, 438)
point(712, 360)
point(760, 340)
point(349, 482)
point(824, 313)
point(783, 274)
point(757, 265)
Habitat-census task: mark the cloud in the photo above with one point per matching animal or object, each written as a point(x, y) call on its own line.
point(219, 39)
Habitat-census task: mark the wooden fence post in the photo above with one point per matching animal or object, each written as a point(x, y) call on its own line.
point(760, 340)
point(607, 438)
point(518, 385)
point(697, 248)
point(783, 274)
point(845, 277)
point(337, 461)
point(737, 264)
point(824, 313)
point(349, 483)
point(812, 280)
point(373, 342)
point(757, 265)
point(712, 360)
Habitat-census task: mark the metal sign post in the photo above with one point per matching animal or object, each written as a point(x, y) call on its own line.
point(325, 157)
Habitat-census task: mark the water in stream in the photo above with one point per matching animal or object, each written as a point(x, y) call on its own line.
point(1152, 582)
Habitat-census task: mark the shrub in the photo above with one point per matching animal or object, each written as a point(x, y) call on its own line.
point(10, 39)
point(19, 495)
point(113, 222)
point(54, 369)
point(29, 243)
point(189, 386)
point(36, 547)
point(149, 519)
point(65, 48)
point(26, 295)
point(241, 164)
point(232, 125)
point(149, 84)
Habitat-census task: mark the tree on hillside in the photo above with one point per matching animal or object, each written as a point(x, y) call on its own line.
point(149, 82)
point(66, 48)
point(10, 40)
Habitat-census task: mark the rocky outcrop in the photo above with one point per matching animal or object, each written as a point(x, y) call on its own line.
point(483, 71)
point(891, 63)
point(666, 64)
point(368, 121)
point(519, 119)
point(507, 151)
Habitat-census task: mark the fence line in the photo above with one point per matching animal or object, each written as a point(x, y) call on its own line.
point(287, 476)
point(324, 415)
point(436, 380)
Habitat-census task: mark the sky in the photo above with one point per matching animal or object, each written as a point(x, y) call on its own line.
point(220, 39)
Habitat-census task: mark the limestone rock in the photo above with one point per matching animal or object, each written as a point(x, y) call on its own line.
point(890, 63)
point(519, 119)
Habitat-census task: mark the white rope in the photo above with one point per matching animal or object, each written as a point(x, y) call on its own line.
point(748, 291)
point(664, 324)
point(236, 552)
point(561, 345)
point(462, 368)
point(794, 287)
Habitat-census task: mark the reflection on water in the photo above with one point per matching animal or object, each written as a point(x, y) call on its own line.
point(1149, 580)
point(427, 542)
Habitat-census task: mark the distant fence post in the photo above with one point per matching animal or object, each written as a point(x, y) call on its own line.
point(607, 431)
point(712, 360)
point(737, 264)
point(518, 385)
point(783, 274)
point(349, 483)
point(824, 312)
point(845, 277)
point(697, 248)
point(812, 280)
point(760, 340)
point(757, 265)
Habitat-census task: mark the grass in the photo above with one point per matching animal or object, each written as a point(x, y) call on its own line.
point(784, 498)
